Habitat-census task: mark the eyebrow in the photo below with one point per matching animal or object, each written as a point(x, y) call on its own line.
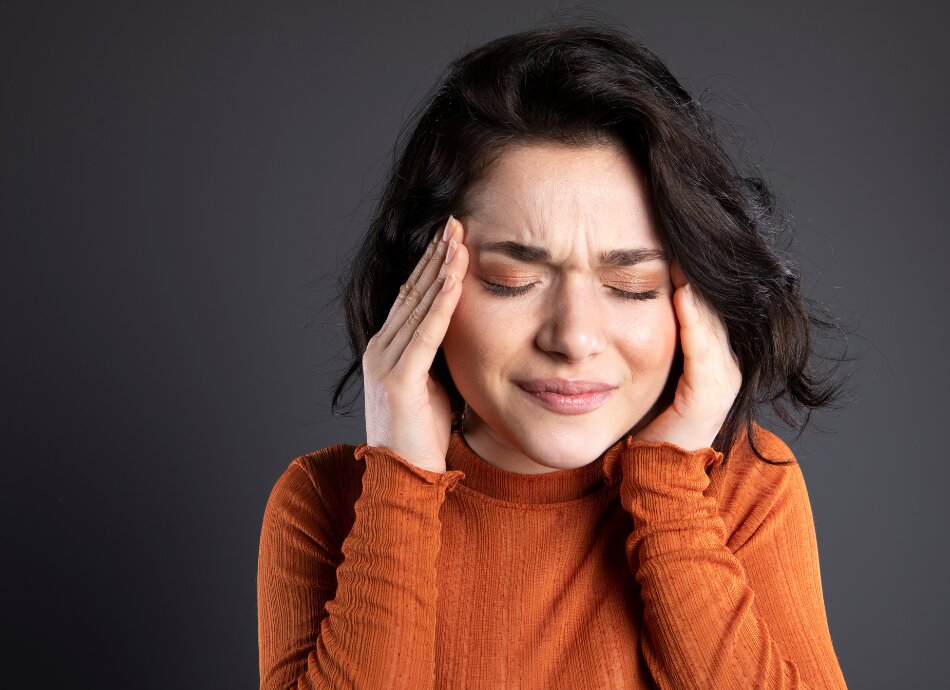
point(539, 255)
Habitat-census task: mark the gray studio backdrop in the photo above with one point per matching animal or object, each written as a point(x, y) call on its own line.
point(178, 182)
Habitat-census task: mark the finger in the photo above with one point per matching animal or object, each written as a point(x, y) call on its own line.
point(676, 274)
point(411, 283)
point(431, 248)
point(695, 332)
point(419, 296)
point(421, 336)
point(411, 291)
point(705, 339)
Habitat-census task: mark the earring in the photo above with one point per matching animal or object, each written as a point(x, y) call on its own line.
point(460, 417)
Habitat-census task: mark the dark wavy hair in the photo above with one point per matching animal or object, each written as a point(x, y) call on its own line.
point(586, 84)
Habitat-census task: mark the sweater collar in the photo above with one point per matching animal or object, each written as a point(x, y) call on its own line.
point(550, 487)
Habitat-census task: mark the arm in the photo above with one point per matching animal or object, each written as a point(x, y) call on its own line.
point(714, 619)
point(378, 631)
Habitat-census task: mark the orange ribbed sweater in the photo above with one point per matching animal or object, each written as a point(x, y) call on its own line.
point(651, 567)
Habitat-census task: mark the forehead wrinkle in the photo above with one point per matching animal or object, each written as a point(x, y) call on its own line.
point(533, 210)
point(629, 252)
point(570, 231)
point(539, 215)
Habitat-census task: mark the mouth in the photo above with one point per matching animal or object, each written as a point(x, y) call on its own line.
point(569, 403)
point(565, 386)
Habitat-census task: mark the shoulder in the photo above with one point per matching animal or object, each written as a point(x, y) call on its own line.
point(750, 489)
point(744, 463)
point(332, 470)
point(318, 490)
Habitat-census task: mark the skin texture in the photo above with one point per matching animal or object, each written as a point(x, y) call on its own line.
point(571, 323)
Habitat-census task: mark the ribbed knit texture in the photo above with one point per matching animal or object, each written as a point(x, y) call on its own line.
point(651, 567)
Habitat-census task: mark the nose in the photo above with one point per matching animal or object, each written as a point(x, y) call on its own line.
point(573, 325)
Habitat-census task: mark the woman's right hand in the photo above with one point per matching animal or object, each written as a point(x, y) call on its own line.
point(407, 409)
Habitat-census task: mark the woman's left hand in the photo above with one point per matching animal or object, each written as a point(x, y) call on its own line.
point(711, 376)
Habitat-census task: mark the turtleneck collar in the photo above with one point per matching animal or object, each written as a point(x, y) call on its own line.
point(549, 487)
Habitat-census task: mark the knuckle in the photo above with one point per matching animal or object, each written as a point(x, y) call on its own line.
point(415, 317)
point(420, 337)
point(409, 291)
point(370, 355)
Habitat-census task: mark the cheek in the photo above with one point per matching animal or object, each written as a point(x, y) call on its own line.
point(478, 334)
point(650, 339)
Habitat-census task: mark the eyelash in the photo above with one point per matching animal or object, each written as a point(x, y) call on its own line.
point(505, 291)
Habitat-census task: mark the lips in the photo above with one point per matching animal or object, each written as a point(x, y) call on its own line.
point(591, 395)
point(565, 386)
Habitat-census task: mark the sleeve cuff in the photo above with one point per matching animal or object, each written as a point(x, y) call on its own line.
point(396, 468)
point(664, 452)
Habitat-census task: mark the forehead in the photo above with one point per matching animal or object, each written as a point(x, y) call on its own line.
point(562, 196)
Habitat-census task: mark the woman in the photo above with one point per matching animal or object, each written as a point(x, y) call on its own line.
point(564, 312)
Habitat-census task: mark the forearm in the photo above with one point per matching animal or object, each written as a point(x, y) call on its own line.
point(702, 630)
point(379, 627)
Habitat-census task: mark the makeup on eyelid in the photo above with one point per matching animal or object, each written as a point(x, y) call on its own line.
point(624, 280)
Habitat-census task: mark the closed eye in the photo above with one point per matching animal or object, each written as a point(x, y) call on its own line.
point(506, 291)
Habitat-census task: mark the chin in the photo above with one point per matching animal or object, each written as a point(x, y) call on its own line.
point(566, 447)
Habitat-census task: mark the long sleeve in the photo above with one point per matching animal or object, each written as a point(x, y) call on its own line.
point(713, 618)
point(378, 630)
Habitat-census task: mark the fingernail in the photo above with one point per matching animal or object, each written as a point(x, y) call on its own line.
point(449, 226)
point(449, 282)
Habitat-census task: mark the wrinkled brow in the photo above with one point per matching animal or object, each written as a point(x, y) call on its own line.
point(539, 255)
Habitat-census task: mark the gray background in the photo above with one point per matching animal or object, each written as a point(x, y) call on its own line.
point(178, 186)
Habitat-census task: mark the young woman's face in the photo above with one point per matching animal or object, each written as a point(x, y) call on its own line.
point(566, 319)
